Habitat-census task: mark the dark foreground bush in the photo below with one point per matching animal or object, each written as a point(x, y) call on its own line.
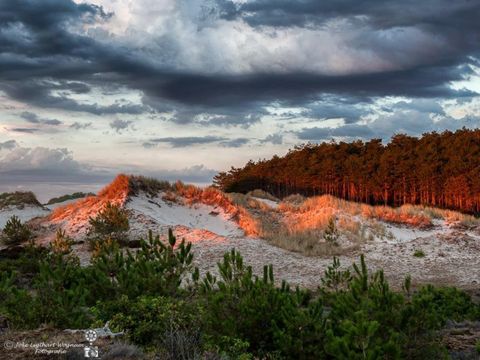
point(15, 232)
point(110, 223)
point(165, 307)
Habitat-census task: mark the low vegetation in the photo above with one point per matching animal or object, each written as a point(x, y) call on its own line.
point(168, 309)
point(15, 232)
point(148, 185)
point(63, 198)
point(111, 222)
point(419, 253)
point(18, 199)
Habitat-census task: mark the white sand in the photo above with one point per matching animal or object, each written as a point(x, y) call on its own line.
point(25, 214)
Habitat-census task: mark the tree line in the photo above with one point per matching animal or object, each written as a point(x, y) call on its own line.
point(436, 169)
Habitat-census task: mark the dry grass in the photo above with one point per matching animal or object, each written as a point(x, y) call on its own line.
point(214, 197)
point(116, 193)
point(309, 242)
point(449, 216)
point(248, 202)
point(148, 185)
point(314, 206)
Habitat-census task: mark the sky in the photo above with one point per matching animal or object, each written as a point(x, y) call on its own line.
point(184, 89)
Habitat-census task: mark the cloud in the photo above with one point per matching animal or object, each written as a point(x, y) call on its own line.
point(198, 174)
point(8, 145)
point(385, 14)
point(235, 143)
point(39, 158)
point(57, 165)
point(184, 141)
point(118, 125)
point(55, 49)
point(45, 94)
point(414, 118)
point(24, 130)
point(276, 139)
point(325, 133)
point(35, 119)
point(79, 126)
point(179, 142)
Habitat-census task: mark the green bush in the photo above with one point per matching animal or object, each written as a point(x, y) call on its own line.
point(155, 269)
point(15, 232)
point(147, 320)
point(419, 254)
point(111, 222)
point(354, 315)
point(242, 306)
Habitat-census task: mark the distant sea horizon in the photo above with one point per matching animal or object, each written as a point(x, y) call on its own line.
point(45, 191)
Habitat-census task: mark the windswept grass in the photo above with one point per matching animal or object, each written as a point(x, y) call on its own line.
point(214, 197)
point(320, 208)
point(148, 185)
point(76, 195)
point(115, 193)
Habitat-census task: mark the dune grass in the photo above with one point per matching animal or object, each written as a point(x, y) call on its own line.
point(18, 199)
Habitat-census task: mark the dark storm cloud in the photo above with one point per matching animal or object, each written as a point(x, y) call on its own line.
point(44, 60)
point(382, 14)
point(39, 93)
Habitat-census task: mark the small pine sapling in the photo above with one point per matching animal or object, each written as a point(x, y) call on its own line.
point(15, 232)
point(331, 234)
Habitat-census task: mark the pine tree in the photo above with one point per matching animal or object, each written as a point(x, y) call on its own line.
point(330, 234)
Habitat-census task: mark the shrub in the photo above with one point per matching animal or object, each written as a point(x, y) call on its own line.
point(419, 254)
point(18, 199)
point(63, 198)
point(156, 269)
point(62, 244)
point(242, 306)
point(156, 321)
point(111, 222)
point(15, 232)
point(330, 234)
